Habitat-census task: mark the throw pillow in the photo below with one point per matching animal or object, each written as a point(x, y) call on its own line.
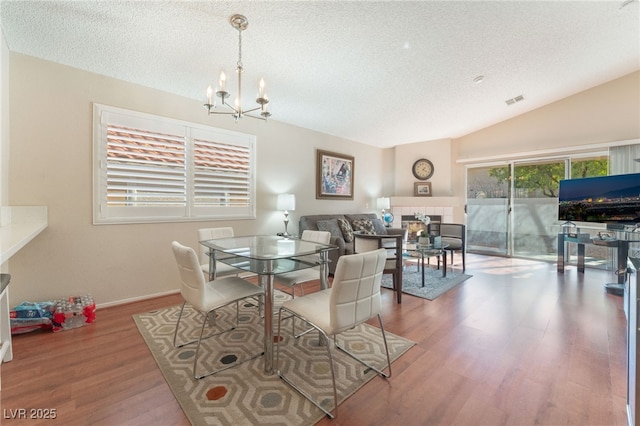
point(330, 225)
point(347, 230)
point(364, 225)
point(379, 227)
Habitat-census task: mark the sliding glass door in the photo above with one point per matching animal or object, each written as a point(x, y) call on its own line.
point(487, 209)
point(512, 209)
point(535, 208)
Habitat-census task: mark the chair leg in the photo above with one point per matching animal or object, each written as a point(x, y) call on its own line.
point(201, 338)
point(195, 356)
point(206, 318)
point(323, 339)
point(175, 332)
point(293, 318)
point(463, 265)
point(386, 348)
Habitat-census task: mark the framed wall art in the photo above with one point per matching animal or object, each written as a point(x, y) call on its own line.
point(422, 189)
point(334, 176)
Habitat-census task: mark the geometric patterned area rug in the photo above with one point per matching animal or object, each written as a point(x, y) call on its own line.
point(245, 394)
point(434, 284)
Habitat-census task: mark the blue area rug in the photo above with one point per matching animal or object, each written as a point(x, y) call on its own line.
point(434, 284)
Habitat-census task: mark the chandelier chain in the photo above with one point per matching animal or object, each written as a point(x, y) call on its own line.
point(239, 47)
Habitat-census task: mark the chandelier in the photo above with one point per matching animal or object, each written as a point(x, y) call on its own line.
point(240, 23)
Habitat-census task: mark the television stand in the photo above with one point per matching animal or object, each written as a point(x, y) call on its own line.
point(581, 240)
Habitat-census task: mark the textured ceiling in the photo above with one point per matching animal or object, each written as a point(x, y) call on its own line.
point(380, 73)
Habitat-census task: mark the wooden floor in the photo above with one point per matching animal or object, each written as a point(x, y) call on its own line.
point(517, 344)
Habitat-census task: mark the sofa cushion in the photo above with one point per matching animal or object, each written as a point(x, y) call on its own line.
point(378, 225)
point(310, 222)
point(347, 230)
point(364, 225)
point(330, 225)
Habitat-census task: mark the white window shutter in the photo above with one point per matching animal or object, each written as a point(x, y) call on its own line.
point(152, 169)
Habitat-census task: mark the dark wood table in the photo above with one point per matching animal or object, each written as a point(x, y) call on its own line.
point(393, 244)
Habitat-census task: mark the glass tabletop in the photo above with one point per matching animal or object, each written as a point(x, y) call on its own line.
point(266, 247)
point(267, 254)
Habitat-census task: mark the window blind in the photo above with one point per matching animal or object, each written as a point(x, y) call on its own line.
point(145, 168)
point(150, 169)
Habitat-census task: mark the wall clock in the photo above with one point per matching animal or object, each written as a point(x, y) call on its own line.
point(422, 169)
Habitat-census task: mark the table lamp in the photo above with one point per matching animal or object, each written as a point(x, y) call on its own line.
point(286, 202)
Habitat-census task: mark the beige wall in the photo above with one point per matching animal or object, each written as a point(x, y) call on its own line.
point(4, 121)
point(51, 154)
point(438, 152)
point(606, 113)
point(594, 118)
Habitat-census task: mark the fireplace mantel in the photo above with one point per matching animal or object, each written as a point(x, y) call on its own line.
point(426, 201)
point(448, 208)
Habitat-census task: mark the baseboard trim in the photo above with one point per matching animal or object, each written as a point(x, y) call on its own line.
point(136, 299)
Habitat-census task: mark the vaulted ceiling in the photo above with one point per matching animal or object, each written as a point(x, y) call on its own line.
point(383, 73)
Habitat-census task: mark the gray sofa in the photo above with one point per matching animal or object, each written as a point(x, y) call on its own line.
point(339, 237)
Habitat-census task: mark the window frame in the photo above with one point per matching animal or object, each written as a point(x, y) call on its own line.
point(104, 213)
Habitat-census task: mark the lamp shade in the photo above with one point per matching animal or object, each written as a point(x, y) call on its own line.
point(383, 203)
point(286, 202)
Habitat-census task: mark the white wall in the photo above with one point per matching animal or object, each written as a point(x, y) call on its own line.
point(51, 148)
point(4, 120)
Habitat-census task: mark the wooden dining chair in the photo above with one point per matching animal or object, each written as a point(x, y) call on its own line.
point(353, 299)
point(206, 297)
point(392, 243)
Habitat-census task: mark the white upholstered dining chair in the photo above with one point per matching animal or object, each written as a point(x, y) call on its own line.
point(299, 277)
point(206, 297)
point(222, 269)
point(295, 278)
point(353, 299)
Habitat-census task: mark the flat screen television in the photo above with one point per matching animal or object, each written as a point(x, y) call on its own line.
point(611, 199)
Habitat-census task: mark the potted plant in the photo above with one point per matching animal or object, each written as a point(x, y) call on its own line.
point(423, 235)
point(423, 238)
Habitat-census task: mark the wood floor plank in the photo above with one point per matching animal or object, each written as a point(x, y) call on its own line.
point(516, 344)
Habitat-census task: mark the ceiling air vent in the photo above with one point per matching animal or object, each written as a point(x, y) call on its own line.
point(514, 100)
point(626, 3)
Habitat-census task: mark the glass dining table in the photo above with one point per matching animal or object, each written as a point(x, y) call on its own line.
point(266, 256)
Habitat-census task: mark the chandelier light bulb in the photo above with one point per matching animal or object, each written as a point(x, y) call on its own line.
point(209, 94)
point(223, 81)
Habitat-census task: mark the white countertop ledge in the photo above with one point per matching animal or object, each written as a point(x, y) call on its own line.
point(18, 226)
